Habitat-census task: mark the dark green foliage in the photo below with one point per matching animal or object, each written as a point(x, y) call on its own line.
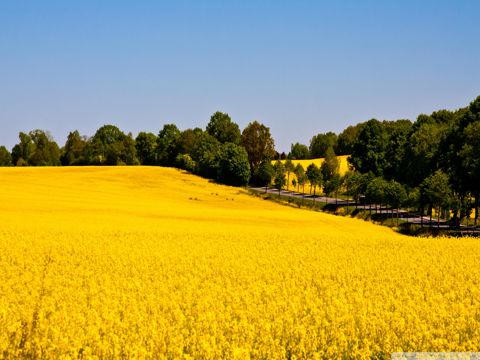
point(347, 139)
point(421, 153)
point(321, 142)
point(299, 152)
point(110, 146)
point(279, 179)
point(233, 166)
point(145, 145)
point(258, 143)
point(37, 148)
point(74, 150)
point(435, 191)
point(22, 151)
point(299, 172)
point(184, 161)
point(375, 191)
point(369, 151)
point(167, 145)
point(265, 173)
point(188, 140)
point(5, 157)
point(223, 128)
point(395, 194)
point(330, 166)
point(314, 176)
point(332, 185)
point(206, 154)
point(398, 133)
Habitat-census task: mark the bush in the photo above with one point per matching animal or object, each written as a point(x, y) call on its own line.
point(184, 161)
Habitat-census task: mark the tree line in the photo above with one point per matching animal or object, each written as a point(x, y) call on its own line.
point(430, 164)
point(220, 151)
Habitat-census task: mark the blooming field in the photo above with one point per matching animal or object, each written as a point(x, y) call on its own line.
point(343, 168)
point(151, 262)
point(319, 161)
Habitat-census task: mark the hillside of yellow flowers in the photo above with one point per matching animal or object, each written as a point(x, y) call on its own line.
point(342, 160)
point(150, 262)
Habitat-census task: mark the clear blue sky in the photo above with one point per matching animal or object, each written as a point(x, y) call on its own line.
point(300, 67)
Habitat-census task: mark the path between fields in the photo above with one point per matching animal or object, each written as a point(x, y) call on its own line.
point(405, 215)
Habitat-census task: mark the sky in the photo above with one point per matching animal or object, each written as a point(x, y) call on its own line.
point(300, 67)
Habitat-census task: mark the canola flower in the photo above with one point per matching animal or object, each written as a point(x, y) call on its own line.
point(149, 262)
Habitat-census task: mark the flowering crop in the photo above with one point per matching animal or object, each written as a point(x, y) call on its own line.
point(148, 262)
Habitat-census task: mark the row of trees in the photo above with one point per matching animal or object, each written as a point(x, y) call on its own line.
point(438, 156)
point(325, 177)
point(432, 163)
point(221, 151)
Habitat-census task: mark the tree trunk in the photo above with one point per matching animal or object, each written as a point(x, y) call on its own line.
point(476, 208)
point(438, 218)
point(421, 216)
point(303, 193)
point(266, 188)
point(397, 216)
point(288, 180)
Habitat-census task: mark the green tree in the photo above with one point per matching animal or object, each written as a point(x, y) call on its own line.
point(145, 145)
point(73, 153)
point(469, 167)
point(333, 185)
point(395, 196)
point(41, 153)
point(206, 154)
point(258, 143)
point(330, 166)
point(435, 191)
point(265, 173)
point(5, 157)
point(369, 151)
point(301, 179)
point(233, 166)
point(398, 133)
point(421, 153)
point(299, 152)
point(279, 178)
point(110, 146)
point(189, 139)
point(375, 192)
point(289, 167)
point(347, 138)
point(314, 176)
point(321, 142)
point(223, 128)
point(22, 151)
point(167, 145)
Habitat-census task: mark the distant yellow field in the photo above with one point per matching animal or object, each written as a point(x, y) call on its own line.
point(319, 161)
point(149, 262)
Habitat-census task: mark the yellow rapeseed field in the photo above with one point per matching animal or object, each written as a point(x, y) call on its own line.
point(319, 161)
point(148, 262)
point(343, 168)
